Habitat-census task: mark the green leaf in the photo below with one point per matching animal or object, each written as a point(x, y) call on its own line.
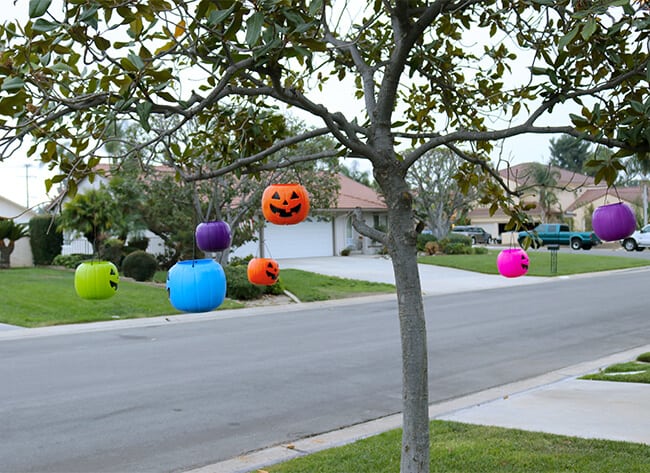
point(568, 38)
point(136, 61)
point(38, 7)
point(217, 17)
point(11, 84)
point(43, 26)
point(102, 43)
point(589, 29)
point(254, 28)
point(144, 110)
point(315, 7)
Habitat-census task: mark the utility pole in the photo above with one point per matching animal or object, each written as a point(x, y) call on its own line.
point(27, 184)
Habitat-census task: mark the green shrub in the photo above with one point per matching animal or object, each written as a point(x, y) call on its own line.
point(423, 239)
point(138, 243)
point(238, 286)
point(140, 266)
point(457, 249)
point(111, 250)
point(455, 244)
point(70, 261)
point(644, 357)
point(479, 250)
point(46, 241)
point(240, 260)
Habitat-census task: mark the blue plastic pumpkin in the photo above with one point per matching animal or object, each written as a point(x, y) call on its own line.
point(196, 285)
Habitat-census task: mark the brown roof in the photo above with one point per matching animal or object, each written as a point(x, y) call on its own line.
point(628, 194)
point(520, 174)
point(353, 194)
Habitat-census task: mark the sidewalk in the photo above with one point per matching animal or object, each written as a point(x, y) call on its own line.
point(556, 402)
point(434, 280)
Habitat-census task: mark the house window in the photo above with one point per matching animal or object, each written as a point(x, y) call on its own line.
point(349, 233)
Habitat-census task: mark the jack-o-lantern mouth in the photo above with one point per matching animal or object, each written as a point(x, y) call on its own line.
point(285, 213)
point(273, 276)
point(524, 266)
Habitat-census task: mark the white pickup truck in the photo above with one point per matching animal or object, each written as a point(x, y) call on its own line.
point(639, 240)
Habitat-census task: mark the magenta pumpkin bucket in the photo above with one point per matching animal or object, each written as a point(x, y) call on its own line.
point(513, 262)
point(613, 221)
point(213, 236)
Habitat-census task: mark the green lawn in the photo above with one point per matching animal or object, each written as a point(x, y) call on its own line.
point(35, 297)
point(310, 287)
point(464, 448)
point(631, 372)
point(540, 262)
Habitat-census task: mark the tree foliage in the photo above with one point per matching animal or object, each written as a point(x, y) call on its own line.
point(92, 214)
point(570, 153)
point(437, 197)
point(10, 233)
point(424, 75)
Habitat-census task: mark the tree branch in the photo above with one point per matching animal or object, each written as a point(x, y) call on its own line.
point(362, 227)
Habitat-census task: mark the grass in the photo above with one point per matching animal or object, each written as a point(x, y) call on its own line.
point(631, 372)
point(540, 262)
point(309, 287)
point(462, 448)
point(36, 297)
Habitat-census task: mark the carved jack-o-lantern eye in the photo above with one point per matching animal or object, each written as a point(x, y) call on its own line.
point(285, 204)
point(272, 270)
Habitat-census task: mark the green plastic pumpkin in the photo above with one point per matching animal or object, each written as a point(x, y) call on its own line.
point(96, 280)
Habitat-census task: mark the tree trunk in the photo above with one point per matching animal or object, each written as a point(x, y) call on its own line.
point(415, 392)
point(5, 255)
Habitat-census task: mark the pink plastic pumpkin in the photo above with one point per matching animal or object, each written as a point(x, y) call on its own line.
point(512, 262)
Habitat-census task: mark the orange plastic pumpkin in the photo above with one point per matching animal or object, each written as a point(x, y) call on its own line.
point(285, 204)
point(263, 271)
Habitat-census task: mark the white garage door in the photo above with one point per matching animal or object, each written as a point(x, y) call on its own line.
point(307, 239)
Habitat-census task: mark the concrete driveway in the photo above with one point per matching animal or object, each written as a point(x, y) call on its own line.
point(434, 279)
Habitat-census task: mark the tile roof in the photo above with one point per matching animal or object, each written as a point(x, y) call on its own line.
point(628, 194)
point(353, 194)
point(520, 174)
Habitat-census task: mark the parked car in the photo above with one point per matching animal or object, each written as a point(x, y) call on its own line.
point(558, 234)
point(638, 241)
point(477, 234)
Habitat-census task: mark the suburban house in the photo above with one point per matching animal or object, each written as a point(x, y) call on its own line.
point(22, 254)
point(577, 197)
point(325, 232)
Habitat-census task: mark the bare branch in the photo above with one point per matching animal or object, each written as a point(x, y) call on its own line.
point(278, 146)
point(360, 225)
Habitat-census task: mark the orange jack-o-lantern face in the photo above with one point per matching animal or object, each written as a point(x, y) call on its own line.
point(263, 271)
point(285, 204)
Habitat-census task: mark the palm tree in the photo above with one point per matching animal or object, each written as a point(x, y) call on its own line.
point(10, 233)
point(92, 214)
point(544, 179)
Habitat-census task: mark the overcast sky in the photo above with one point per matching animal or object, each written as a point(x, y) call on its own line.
point(22, 180)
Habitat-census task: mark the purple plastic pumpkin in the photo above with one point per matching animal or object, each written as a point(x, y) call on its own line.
point(613, 222)
point(213, 236)
point(512, 262)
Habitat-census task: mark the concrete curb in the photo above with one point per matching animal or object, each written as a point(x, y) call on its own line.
point(281, 453)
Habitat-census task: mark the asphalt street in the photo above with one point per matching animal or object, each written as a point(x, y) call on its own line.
point(166, 396)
